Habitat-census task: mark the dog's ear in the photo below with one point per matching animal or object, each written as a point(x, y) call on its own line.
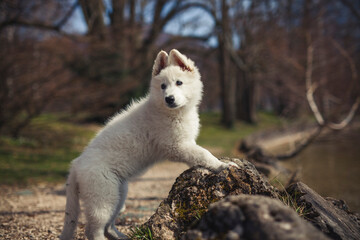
point(160, 63)
point(177, 59)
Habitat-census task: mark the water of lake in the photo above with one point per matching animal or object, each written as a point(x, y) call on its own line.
point(331, 166)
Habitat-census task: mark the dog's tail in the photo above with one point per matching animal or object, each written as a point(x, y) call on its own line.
point(72, 208)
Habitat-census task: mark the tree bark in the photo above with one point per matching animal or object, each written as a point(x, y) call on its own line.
point(245, 98)
point(117, 16)
point(93, 13)
point(227, 80)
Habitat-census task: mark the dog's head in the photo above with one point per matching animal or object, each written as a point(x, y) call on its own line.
point(175, 81)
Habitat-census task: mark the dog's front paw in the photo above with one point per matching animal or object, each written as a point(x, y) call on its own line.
point(232, 164)
point(226, 165)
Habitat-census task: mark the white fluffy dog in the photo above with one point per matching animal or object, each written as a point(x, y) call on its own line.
point(163, 125)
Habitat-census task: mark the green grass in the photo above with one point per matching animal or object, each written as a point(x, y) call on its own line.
point(141, 233)
point(222, 141)
point(43, 152)
point(290, 200)
point(45, 149)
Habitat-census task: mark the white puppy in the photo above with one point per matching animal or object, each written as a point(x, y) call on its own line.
point(163, 125)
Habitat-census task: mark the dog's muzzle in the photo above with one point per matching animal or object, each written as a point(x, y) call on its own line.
point(170, 101)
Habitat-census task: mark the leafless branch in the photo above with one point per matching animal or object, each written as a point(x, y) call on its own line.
point(40, 25)
point(346, 55)
point(311, 87)
point(347, 119)
point(68, 15)
point(35, 24)
point(352, 8)
point(234, 57)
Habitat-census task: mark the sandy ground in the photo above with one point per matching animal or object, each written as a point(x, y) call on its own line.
point(37, 212)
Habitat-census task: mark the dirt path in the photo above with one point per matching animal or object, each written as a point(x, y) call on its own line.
point(37, 212)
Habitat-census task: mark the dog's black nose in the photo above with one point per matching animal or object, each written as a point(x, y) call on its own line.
point(170, 99)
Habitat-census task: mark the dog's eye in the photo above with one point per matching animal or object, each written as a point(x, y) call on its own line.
point(179, 83)
point(163, 86)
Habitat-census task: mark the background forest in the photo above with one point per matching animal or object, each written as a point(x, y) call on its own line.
point(89, 58)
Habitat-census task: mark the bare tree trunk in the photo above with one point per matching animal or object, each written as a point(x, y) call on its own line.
point(245, 98)
point(132, 4)
point(93, 12)
point(117, 16)
point(227, 80)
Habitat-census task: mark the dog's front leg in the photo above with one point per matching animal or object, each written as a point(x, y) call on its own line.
point(193, 154)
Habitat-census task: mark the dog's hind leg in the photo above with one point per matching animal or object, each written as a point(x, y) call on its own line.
point(102, 199)
point(111, 232)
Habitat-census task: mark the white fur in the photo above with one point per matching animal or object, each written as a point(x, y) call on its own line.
point(149, 131)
